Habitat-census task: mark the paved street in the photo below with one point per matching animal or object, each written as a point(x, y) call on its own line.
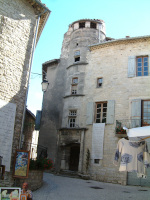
point(65, 188)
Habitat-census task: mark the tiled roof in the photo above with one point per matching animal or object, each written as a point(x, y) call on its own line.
point(43, 11)
point(113, 41)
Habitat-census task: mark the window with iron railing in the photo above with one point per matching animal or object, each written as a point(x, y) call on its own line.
point(145, 112)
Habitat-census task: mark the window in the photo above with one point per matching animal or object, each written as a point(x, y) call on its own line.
point(77, 59)
point(146, 113)
point(74, 86)
point(82, 25)
point(138, 66)
point(142, 66)
point(77, 56)
point(96, 161)
point(99, 82)
point(72, 118)
point(101, 112)
point(75, 81)
point(74, 89)
point(77, 53)
point(93, 25)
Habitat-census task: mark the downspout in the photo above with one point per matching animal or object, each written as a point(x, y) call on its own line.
point(30, 65)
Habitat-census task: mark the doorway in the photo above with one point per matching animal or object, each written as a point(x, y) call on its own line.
point(74, 157)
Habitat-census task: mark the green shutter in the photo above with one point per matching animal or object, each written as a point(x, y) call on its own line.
point(136, 113)
point(90, 113)
point(149, 65)
point(131, 66)
point(110, 112)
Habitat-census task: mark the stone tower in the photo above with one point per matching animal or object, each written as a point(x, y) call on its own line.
point(82, 34)
point(63, 101)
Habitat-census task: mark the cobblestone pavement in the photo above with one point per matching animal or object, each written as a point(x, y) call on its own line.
point(66, 188)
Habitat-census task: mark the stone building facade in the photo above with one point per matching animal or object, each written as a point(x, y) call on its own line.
point(30, 135)
point(29, 127)
point(98, 82)
point(21, 24)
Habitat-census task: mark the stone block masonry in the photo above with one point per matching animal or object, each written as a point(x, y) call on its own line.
point(34, 180)
point(17, 30)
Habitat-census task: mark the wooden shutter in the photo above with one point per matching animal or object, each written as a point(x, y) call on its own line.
point(149, 65)
point(81, 83)
point(110, 112)
point(131, 66)
point(90, 113)
point(136, 113)
point(38, 119)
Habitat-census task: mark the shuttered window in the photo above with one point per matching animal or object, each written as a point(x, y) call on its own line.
point(142, 66)
point(104, 112)
point(140, 113)
point(146, 113)
point(136, 113)
point(138, 66)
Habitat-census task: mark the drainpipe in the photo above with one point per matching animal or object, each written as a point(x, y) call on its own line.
point(30, 65)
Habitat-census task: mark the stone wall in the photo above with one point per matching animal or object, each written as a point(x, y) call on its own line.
point(8, 179)
point(17, 29)
point(34, 180)
point(110, 61)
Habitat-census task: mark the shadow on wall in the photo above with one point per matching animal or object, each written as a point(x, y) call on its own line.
point(17, 54)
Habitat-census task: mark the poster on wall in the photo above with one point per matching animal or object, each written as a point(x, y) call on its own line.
point(21, 164)
point(10, 193)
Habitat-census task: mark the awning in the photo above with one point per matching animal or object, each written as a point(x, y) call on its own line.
point(139, 132)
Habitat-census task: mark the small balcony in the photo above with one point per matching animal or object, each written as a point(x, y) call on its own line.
point(129, 123)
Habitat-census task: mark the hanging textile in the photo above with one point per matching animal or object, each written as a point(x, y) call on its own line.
point(134, 156)
point(97, 140)
point(143, 131)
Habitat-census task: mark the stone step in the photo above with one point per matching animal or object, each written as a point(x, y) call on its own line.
point(69, 173)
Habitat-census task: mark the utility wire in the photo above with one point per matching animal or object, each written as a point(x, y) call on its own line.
point(35, 73)
point(33, 77)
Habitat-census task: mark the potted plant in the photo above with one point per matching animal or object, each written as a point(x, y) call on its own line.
point(41, 164)
point(119, 128)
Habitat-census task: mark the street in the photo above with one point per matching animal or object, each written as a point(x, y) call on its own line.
point(66, 188)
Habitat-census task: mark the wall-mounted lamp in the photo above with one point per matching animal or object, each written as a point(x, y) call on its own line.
point(45, 84)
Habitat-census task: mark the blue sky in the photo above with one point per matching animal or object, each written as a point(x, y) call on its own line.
point(122, 18)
